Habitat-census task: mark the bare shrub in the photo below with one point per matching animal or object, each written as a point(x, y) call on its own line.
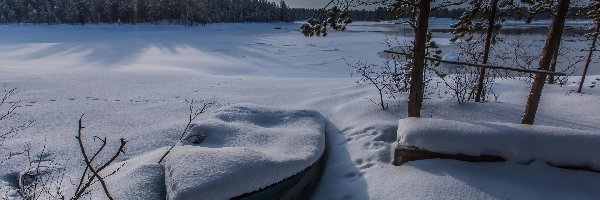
point(382, 77)
point(461, 81)
point(44, 178)
point(92, 173)
point(522, 54)
point(41, 174)
point(9, 127)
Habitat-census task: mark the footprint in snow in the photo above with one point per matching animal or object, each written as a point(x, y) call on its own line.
point(359, 161)
point(374, 145)
point(363, 165)
point(366, 166)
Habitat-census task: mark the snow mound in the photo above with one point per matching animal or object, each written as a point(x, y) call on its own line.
point(243, 148)
point(514, 142)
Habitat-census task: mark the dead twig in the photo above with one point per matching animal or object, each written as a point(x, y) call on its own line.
point(82, 187)
point(194, 112)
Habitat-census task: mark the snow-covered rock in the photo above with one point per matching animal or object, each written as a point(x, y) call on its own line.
point(246, 148)
point(515, 142)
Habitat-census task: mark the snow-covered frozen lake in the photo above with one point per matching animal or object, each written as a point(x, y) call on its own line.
point(131, 81)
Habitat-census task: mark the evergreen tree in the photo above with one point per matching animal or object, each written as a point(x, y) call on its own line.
point(552, 43)
point(483, 16)
point(283, 13)
point(594, 15)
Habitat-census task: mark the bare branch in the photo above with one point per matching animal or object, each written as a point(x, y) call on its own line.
point(194, 112)
point(95, 176)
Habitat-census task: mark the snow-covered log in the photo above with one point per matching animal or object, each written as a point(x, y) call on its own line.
point(439, 138)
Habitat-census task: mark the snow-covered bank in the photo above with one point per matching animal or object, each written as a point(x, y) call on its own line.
point(514, 142)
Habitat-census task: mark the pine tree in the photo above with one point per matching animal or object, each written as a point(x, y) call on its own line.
point(483, 16)
point(418, 12)
point(283, 13)
point(71, 12)
point(594, 15)
point(420, 9)
point(551, 46)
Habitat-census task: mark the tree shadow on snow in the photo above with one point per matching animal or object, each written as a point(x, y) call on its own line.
point(495, 112)
point(341, 179)
point(507, 180)
point(112, 46)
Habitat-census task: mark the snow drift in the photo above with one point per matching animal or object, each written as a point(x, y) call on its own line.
point(244, 148)
point(514, 142)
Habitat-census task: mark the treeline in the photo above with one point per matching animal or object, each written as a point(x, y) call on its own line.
point(378, 14)
point(141, 11)
point(189, 12)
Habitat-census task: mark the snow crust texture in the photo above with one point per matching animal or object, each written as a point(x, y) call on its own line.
point(245, 148)
point(515, 142)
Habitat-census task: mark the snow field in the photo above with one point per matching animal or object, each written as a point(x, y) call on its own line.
point(131, 81)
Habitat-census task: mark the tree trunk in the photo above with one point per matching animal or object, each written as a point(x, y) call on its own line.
point(486, 50)
point(589, 58)
point(551, 46)
point(415, 99)
point(551, 79)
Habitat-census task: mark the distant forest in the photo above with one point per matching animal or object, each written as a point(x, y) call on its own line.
point(189, 12)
